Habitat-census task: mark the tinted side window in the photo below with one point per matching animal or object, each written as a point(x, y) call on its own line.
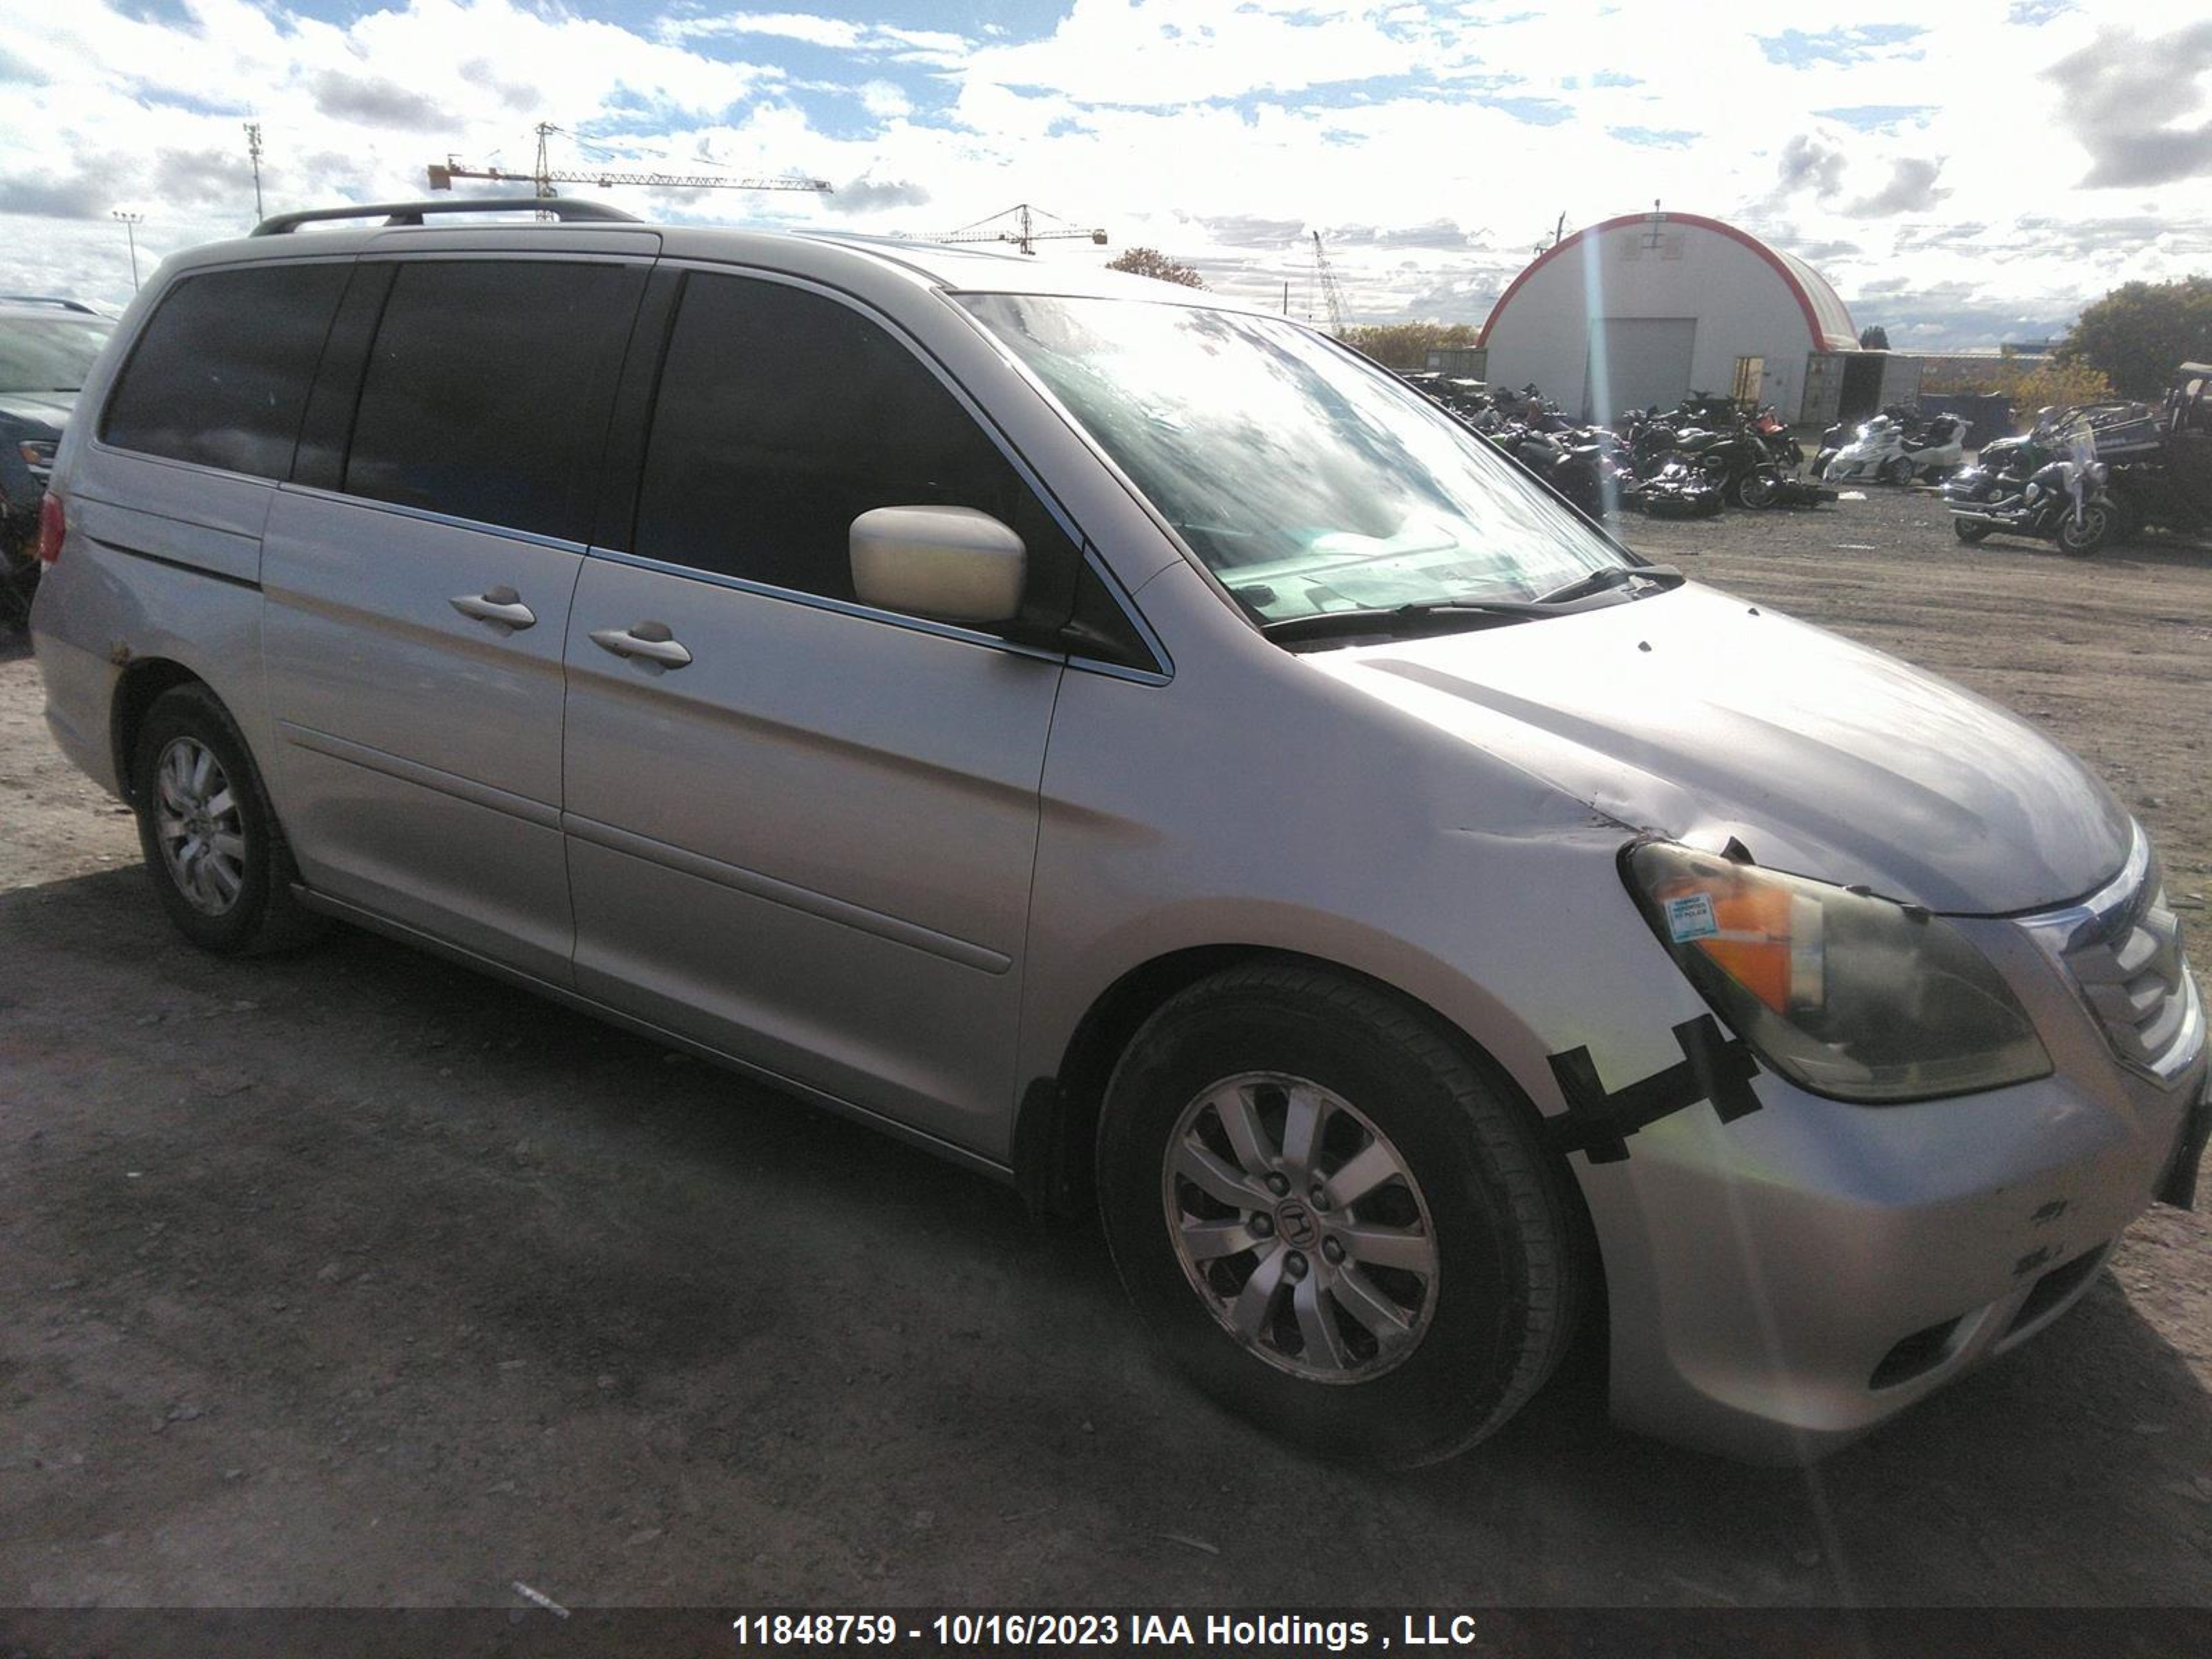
point(221, 375)
point(784, 415)
point(483, 394)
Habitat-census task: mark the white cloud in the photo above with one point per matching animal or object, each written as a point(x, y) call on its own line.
point(882, 98)
point(1219, 130)
point(783, 25)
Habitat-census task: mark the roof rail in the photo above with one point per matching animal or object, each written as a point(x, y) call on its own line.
point(567, 209)
point(53, 300)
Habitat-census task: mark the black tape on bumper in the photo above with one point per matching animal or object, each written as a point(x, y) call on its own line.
point(2178, 1187)
point(1713, 1067)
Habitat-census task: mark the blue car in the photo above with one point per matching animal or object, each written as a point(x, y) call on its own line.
point(46, 347)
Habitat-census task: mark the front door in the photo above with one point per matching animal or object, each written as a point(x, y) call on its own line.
point(800, 830)
point(417, 598)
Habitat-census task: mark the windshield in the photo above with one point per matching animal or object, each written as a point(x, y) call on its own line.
point(42, 354)
point(1308, 480)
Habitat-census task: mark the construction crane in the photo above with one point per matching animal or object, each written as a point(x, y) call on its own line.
point(543, 177)
point(1330, 292)
point(1021, 213)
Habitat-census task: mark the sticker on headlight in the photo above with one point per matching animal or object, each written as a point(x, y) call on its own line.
point(1691, 916)
point(1713, 1067)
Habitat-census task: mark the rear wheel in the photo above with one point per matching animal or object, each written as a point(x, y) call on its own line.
point(1968, 532)
point(1895, 471)
point(1330, 1220)
point(212, 845)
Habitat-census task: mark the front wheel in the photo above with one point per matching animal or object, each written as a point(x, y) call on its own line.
point(1757, 488)
point(1331, 1220)
point(1895, 471)
point(2083, 536)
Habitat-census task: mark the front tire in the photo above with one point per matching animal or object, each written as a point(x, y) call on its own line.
point(1331, 1220)
point(2081, 538)
point(1756, 489)
point(213, 848)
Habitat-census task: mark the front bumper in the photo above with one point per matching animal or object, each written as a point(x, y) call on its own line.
point(1782, 1283)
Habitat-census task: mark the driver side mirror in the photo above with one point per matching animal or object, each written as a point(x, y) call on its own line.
point(947, 563)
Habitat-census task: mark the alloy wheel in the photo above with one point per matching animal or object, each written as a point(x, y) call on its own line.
point(197, 822)
point(1300, 1227)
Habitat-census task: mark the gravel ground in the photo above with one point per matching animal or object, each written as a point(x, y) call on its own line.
point(352, 1278)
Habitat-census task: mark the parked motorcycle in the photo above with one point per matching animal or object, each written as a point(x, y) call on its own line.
point(1735, 460)
point(1774, 432)
point(1888, 450)
point(2154, 462)
point(1588, 466)
point(2064, 501)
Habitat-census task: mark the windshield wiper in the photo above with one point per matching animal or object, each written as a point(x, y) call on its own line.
point(1382, 619)
point(1611, 576)
point(1320, 624)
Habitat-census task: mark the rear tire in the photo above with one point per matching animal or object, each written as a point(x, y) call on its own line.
point(213, 848)
point(1969, 533)
point(1390, 1286)
point(1756, 489)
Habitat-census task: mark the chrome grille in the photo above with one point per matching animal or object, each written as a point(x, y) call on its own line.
point(2134, 978)
point(2123, 951)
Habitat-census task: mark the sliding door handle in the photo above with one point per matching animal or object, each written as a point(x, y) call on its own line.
point(501, 605)
point(651, 640)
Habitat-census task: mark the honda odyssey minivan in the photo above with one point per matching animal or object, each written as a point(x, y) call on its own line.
point(1132, 745)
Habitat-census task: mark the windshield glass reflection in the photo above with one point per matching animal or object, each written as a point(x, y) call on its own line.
point(49, 355)
point(1305, 477)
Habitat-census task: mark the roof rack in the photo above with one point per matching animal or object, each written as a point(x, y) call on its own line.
point(53, 300)
point(567, 209)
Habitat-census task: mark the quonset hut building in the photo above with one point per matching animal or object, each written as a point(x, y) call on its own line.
point(1644, 308)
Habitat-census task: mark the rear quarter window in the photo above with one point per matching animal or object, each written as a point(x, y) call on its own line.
point(221, 375)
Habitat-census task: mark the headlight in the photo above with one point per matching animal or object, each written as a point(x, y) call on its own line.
point(1848, 995)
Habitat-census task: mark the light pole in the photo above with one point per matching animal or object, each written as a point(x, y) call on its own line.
point(253, 149)
point(131, 223)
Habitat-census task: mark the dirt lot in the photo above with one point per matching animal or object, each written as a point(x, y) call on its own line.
point(351, 1278)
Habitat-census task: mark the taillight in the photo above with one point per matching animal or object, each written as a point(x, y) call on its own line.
point(53, 525)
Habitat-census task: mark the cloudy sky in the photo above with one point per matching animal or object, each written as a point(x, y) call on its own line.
point(1965, 170)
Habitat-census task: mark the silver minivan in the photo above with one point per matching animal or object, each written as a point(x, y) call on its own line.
point(1132, 745)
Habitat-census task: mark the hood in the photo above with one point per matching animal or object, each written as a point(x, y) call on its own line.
point(1700, 717)
point(49, 409)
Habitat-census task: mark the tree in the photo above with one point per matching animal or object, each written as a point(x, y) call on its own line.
point(1406, 346)
point(2029, 384)
point(1875, 338)
point(2052, 383)
point(2135, 334)
point(1151, 262)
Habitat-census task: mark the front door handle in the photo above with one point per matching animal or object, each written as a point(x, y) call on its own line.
point(500, 605)
point(650, 640)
